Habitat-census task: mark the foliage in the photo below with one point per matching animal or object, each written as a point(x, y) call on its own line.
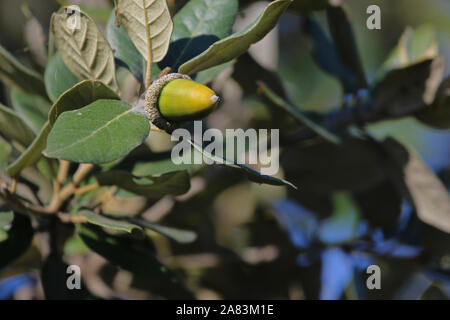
point(80, 162)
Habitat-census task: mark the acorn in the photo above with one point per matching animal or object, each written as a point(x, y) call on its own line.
point(175, 98)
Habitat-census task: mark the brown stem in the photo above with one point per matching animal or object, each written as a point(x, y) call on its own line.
point(165, 71)
point(63, 170)
point(14, 186)
point(87, 188)
point(58, 199)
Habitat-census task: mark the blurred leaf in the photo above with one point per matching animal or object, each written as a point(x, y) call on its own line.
point(179, 235)
point(6, 219)
point(300, 222)
point(80, 95)
point(326, 55)
point(159, 167)
point(154, 187)
point(342, 225)
point(210, 74)
point(306, 6)
point(404, 91)
point(58, 78)
point(233, 46)
point(248, 72)
point(103, 221)
point(197, 26)
point(413, 47)
point(19, 237)
point(82, 47)
point(35, 36)
point(101, 132)
point(14, 128)
point(124, 49)
point(129, 255)
point(31, 108)
point(337, 272)
point(252, 175)
point(437, 114)
point(15, 74)
point(5, 152)
point(380, 205)
point(344, 40)
point(54, 277)
point(325, 167)
point(420, 186)
point(148, 24)
point(302, 117)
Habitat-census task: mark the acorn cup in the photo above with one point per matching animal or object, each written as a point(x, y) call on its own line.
point(175, 99)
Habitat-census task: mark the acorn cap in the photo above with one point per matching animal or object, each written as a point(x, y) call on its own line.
point(151, 102)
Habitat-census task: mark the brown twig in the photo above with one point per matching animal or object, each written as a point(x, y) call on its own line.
point(58, 199)
point(63, 171)
point(87, 188)
point(165, 71)
point(14, 186)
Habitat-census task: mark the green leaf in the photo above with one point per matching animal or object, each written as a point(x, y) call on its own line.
point(108, 223)
point(179, 235)
point(6, 219)
point(77, 97)
point(210, 74)
point(14, 128)
point(83, 48)
point(101, 132)
point(80, 95)
point(131, 256)
point(5, 152)
point(420, 186)
point(19, 236)
point(380, 205)
point(300, 116)
point(148, 24)
point(142, 169)
point(252, 175)
point(32, 154)
point(33, 109)
point(58, 78)
point(233, 46)
point(437, 115)
point(15, 74)
point(407, 90)
point(154, 187)
point(197, 26)
point(344, 40)
point(124, 49)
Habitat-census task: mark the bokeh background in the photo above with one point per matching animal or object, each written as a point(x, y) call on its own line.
point(258, 241)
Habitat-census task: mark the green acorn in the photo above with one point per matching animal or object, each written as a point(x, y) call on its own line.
point(175, 98)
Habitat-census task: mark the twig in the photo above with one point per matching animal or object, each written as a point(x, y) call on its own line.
point(87, 188)
point(165, 71)
point(68, 218)
point(14, 186)
point(58, 199)
point(63, 170)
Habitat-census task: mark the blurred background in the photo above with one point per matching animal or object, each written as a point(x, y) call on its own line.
point(265, 242)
